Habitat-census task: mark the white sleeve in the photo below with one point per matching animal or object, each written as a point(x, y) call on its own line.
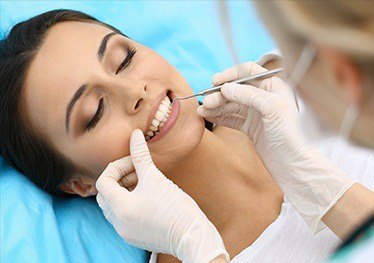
point(153, 258)
point(274, 54)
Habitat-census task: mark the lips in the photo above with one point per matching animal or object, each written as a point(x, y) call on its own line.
point(162, 117)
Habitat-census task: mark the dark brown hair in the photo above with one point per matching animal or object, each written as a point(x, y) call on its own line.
point(20, 144)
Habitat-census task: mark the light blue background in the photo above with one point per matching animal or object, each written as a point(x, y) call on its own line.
point(36, 227)
point(186, 33)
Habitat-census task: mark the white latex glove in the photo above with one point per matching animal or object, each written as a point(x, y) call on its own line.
point(157, 215)
point(267, 113)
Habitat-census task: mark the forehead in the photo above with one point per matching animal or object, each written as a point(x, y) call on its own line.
point(61, 65)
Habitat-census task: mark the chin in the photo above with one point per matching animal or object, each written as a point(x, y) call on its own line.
point(180, 140)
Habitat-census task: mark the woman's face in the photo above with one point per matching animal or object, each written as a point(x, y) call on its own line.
point(78, 70)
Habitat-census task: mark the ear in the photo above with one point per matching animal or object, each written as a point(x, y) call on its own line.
point(347, 74)
point(82, 186)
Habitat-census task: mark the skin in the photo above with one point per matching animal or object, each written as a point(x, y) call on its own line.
point(215, 168)
point(65, 63)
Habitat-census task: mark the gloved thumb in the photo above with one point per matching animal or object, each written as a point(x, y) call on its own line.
point(108, 180)
point(141, 158)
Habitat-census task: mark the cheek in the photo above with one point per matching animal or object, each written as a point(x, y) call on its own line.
point(112, 143)
point(155, 67)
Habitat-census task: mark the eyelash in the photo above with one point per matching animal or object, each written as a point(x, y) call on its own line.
point(97, 117)
point(127, 60)
point(100, 109)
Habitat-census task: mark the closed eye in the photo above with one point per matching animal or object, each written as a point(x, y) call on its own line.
point(127, 60)
point(97, 116)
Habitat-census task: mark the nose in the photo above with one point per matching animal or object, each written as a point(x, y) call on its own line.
point(131, 94)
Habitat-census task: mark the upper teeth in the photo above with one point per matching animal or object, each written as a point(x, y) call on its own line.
point(160, 118)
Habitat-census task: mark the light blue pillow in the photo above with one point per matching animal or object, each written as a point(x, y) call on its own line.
point(36, 227)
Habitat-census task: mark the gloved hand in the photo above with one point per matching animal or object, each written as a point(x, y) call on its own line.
point(268, 114)
point(157, 215)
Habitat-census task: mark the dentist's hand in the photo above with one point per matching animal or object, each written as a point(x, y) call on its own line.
point(157, 215)
point(267, 113)
point(269, 106)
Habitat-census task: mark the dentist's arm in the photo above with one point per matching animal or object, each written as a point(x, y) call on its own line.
point(157, 215)
point(354, 208)
point(267, 113)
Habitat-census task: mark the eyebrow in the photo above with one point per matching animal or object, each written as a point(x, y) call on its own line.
point(104, 42)
point(78, 94)
point(71, 104)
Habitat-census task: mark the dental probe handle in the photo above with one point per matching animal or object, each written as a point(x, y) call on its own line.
point(262, 75)
point(242, 80)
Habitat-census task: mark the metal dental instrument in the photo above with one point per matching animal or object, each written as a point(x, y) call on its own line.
point(262, 75)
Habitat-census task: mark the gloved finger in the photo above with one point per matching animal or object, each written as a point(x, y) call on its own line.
point(214, 100)
point(129, 181)
point(109, 204)
point(120, 167)
point(248, 69)
point(108, 180)
point(102, 202)
point(114, 193)
point(141, 158)
point(236, 72)
point(131, 188)
point(275, 84)
point(228, 108)
point(233, 121)
point(109, 199)
point(249, 96)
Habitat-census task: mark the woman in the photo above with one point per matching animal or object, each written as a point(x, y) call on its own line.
point(73, 89)
point(118, 85)
point(329, 50)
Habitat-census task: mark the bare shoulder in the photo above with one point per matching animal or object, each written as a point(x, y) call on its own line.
point(162, 258)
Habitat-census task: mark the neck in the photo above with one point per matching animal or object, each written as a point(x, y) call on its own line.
point(226, 178)
point(220, 174)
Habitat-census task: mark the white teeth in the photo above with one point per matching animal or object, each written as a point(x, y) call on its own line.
point(160, 118)
point(153, 128)
point(163, 108)
point(155, 122)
